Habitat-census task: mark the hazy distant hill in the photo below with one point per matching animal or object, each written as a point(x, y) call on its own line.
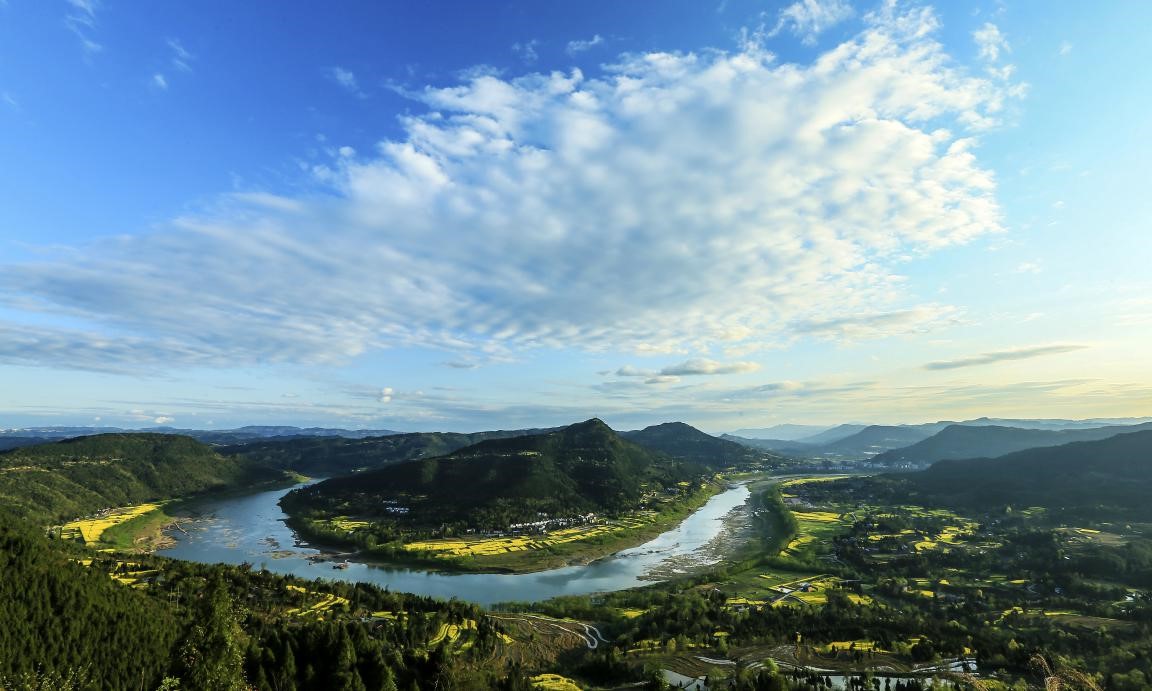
point(776, 446)
point(861, 444)
point(7, 443)
point(69, 478)
point(224, 436)
point(258, 432)
point(963, 441)
point(685, 442)
point(1110, 477)
point(1058, 423)
point(785, 432)
point(339, 456)
point(876, 439)
point(834, 434)
point(576, 469)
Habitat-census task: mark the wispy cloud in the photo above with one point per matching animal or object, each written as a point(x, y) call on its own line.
point(880, 324)
point(810, 18)
point(990, 42)
point(581, 45)
point(1064, 49)
point(1005, 356)
point(81, 21)
point(660, 208)
point(181, 59)
point(346, 79)
point(689, 368)
point(704, 366)
point(526, 51)
point(159, 81)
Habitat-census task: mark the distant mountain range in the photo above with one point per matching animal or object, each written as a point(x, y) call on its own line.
point(334, 455)
point(27, 436)
point(991, 441)
point(576, 469)
point(785, 432)
point(856, 442)
point(1107, 478)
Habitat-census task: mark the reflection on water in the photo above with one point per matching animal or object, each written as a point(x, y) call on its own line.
point(251, 529)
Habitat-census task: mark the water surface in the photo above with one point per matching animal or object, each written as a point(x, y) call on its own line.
point(251, 529)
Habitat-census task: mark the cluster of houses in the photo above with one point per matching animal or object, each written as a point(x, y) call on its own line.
point(545, 524)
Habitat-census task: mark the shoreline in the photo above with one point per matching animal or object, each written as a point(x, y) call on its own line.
point(542, 560)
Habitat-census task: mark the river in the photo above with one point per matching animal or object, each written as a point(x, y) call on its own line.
point(251, 529)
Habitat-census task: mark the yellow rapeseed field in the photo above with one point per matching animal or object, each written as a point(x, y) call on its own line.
point(92, 529)
point(490, 546)
point(554, 682)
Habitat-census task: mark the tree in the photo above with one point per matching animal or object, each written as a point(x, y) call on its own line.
point(213, 652)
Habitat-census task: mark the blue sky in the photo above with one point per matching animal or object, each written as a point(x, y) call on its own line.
point(461, 215)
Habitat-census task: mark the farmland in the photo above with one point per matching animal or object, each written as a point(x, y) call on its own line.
point(92, 530)
point(505, 551)
point(861, 583)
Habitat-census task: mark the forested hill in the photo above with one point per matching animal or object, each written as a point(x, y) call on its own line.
point(685, 442)
point(990, 441)
point(581, 468)
point(61, 618)
point(74, 477)
point(1111, 477)
point(340, 455)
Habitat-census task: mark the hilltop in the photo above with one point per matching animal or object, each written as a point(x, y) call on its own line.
point(963, 441)
point(582, 468)
point(687, 443)
point(1110, 477)
point(69, 478)
point(342, 455)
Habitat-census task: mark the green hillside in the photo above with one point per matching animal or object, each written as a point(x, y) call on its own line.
point(581, 468)
point(1110, 477)
point(687, 443)
point(65, 479)
point(991, 441)
point(341, 455)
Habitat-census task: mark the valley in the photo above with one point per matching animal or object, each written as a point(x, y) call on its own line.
point(761, 571)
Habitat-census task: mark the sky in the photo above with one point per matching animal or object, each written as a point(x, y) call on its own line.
point(493, 215)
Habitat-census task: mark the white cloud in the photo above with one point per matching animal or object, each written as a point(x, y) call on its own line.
point(810, 18)
point(346, 79)
point(159, 81)
point(1005, 355)
point(163, 420)
point(526, 51)
point(704, 366)
point(1065, 48)
point(677, 203)
point(990, 42)
point(385, 395)
point(181, 58)
point(81, 21)
point(880, 324)
point(580, 46)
